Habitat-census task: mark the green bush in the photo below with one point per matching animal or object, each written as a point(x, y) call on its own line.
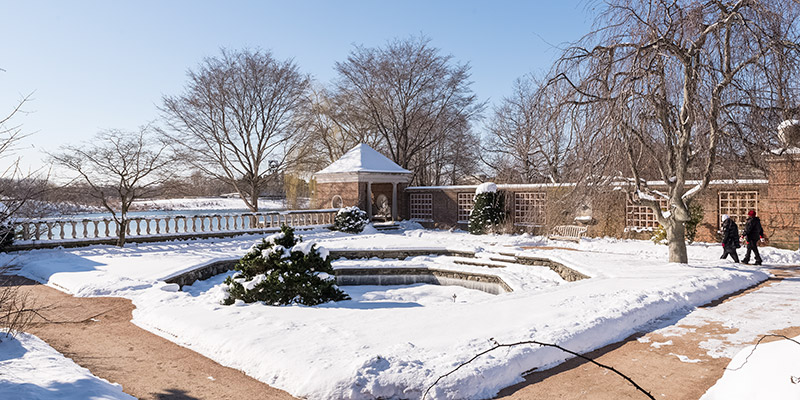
point(488, 212)
point(695, 218)
point(281, 270)
point(350, 220)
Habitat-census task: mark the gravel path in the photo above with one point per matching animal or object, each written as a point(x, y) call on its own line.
point(97, 334)
point(669, 366)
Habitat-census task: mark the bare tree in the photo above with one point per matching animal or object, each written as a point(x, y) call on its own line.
point(533, 133)
point(666, 78)
point(17, 190)
point(118, 167)
point(408, 94)
point(237, 116)
point(335, 126)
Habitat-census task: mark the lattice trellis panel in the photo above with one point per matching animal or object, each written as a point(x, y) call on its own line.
point(737, 203)
point(529, 208)
point(421, 206)
point(466, 201)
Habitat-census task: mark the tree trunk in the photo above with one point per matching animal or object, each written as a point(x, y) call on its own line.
point(123, 229)
point(676, 239)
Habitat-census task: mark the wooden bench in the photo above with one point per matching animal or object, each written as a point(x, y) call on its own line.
point(568, 232)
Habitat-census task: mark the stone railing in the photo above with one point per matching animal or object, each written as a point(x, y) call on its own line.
point(98, 230)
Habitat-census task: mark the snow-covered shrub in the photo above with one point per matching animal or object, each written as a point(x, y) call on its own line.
point(488, 212)
point(695, 218)
point(283, 270)
point(350, 220)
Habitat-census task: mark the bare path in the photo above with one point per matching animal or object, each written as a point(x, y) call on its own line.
point(97, 334)
point(651, 359)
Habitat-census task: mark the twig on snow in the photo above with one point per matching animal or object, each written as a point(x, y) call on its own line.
point(543, 344)
point(756, 346)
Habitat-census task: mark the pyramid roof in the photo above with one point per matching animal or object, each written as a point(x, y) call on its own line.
point(363, 158)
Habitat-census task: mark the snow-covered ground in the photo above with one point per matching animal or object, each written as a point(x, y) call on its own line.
point(206, 203)
point(772, 370)
point(393, 342)
point(31, 369)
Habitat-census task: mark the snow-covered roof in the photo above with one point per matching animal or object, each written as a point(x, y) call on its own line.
point(363, 158)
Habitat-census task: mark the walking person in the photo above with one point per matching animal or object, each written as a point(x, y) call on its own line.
point(730, 238)
point(753, 233)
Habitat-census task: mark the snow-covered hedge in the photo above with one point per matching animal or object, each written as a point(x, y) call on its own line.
point(488, 212)
point(350, 220)
point(283, 270)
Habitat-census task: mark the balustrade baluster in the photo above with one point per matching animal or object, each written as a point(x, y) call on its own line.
point(74, 229)
point(26, 231)
point(49, 230)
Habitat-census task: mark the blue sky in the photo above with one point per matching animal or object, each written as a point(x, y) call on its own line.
point(94, 65)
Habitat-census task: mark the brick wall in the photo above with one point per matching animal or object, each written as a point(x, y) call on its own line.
point(352, 193)
point(355, 194)
point(608, 209)
point(781, 217)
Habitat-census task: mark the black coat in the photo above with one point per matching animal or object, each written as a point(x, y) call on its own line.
point(753, 230)
point(730, 234)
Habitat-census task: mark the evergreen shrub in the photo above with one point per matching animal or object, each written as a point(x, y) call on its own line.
point(488, 211)
point(350, 220)
point(283, 270)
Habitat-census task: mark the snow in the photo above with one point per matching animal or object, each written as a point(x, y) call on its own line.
point(788, 123)
point(206, 203)
point(776, 306)
point(692, 191)
point(393, 342)
point(31, 369)
point(363, 158)
point(306, 247)
point(486, 187)
point(769, 372)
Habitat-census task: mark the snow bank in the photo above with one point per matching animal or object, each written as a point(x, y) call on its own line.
point(771, 371)
point(206, 203)
point(31, 369)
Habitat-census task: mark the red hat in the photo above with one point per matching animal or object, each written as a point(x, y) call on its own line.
point(751, 213)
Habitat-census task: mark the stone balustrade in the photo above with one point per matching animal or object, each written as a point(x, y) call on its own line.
point(171, 226)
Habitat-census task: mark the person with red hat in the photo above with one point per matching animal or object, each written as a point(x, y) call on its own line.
point(753, 232)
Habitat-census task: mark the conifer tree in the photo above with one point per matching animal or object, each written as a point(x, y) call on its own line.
point(281, 270)
point(488, 211)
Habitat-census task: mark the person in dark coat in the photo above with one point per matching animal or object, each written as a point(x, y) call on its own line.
point(730, 238)
point(753, 232)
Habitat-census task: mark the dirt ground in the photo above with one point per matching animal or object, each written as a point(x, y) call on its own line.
point(97, 334)
point(657, 370)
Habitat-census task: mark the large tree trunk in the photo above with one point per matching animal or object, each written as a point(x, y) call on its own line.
point(676, 239)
